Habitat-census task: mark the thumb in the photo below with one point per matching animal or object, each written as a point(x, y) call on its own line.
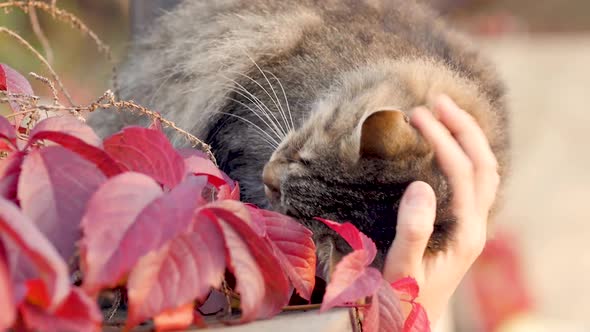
point(415, 223)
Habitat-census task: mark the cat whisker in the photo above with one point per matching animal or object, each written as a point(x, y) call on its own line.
point(239, 88)
point(269, 139)
point(279, 106)
point(259, 111)
point(286, 99)
point(278, 136)
point(271, 98)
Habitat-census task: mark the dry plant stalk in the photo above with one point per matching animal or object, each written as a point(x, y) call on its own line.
point(36, 26)
point(38, 55)
point(106, 101)
point(51, 86)
point(62, 16)
point(68, 18)
point(29, 104)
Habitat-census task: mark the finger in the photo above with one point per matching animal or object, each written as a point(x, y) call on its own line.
point(476, 146)
point(415, 223)
point(451, 158)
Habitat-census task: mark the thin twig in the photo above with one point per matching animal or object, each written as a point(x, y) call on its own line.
point(51, 86)
point(63, 16)
point(71, 19)
point(133, 107)
point(106, 101)
point(41, 58)
point(36, 26)
point(228, 296)
point(115, 306)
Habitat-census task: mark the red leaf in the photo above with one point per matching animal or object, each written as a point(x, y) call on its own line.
point(182, 271)
point(54, 187)
point(263, 287)
point(354, 237)
point(149, 152)
point(407, 286)
point(10, 169)
point(2, 78)
point(226, 192)
point(384, 314)
point(7, 303)
point(13, 82)
point(76, 136)
point(293, 246)
point(417, 320)
point(17, 228)
point(78, 313)
point(178, 319)
point(7, 131)
point(161, 220)
point(36, 293)
point(351, 281)
point(111, 211)
point(198, 163)
point(246, 213)
point(66, 125)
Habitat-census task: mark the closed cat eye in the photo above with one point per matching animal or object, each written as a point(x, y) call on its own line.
point(304, 162)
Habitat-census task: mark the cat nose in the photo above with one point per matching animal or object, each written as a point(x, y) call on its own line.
point(271, 180)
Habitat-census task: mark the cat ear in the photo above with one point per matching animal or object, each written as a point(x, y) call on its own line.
point(385, 134)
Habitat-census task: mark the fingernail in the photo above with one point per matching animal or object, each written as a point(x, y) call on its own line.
point(419, 194)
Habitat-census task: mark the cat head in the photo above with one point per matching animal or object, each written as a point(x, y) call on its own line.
point(356, 154)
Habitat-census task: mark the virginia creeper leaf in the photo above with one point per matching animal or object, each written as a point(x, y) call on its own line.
point(7, 133)
point(182, 271)
point(13, 82)
point(417, 320)
point(354, 237)
point(162, 220)
point(384, 313)
point(65, 125)
point(7, 303)
point(2, 78)
point(263, 287)
point(54, 187)
point(198, 163)
point(293, 246)
point(10, 169)
point(407, 286)
point(17, 228)
point(351, 281)
point(178, 319)
point(78, 313)
point(149, 152)
point(110, 212)
point(247, 214)
point(76, 136)
point(226, 192)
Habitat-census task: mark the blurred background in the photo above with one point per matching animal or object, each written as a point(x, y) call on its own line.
point(534, 274)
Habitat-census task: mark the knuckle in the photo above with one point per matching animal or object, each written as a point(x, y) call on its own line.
point(466, 167)
point(490, 164)
point(496, 179)
point(472, 247)
point(415, 232)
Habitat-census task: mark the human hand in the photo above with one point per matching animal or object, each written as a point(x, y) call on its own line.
point(464, 155)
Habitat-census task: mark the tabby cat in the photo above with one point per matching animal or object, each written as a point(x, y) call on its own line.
point(306, 103)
